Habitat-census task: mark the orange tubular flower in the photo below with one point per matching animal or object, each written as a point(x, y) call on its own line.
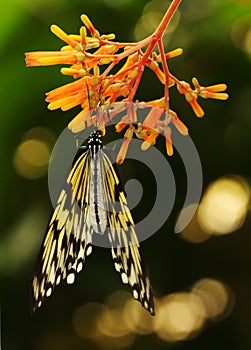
point(191, 97)
point(122, 124)
point(214, 91)
point(97, 86)
point(169, 145)
point(123, 149)
point(149, 140)
point(192, 100)
point(50, 58)
point(180, 126)
point(152, 118)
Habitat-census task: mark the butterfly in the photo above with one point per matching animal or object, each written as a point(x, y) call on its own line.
point(91, 202)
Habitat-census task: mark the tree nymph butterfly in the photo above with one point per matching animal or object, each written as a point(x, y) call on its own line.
point(85, 207)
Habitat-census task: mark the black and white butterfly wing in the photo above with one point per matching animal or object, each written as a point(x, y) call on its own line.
point(125, 248)
point(68, 239)
point(92, 200)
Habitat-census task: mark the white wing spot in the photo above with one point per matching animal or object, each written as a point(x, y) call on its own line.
point(146, 304)
point(117, 266)
point(124, 278)
point(89, 250)
point(113, 253)
point(132, 277)
point(70, 278)
point(48, 292)
point(80, 266)
point(135, 294)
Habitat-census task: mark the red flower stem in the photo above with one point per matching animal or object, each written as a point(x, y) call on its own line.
point(141, 70)
point(166, 19)
point(151, 40)
point(166, 72)
point(176, 80)
point(125, 54)
point(156, 37)
point(117, 43)
point(180, 83)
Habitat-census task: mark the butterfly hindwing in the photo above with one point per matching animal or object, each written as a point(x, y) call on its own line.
point(125, 248)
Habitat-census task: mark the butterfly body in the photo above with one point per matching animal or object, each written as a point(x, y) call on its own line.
point(91, 202)
point(97, 195)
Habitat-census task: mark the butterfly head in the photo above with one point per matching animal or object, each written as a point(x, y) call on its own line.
point(95, 139)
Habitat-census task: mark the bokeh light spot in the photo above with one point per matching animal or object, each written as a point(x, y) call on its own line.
point(150, 19)
point(21, 239)
point(104, 324)
point(31, 157)
point(85, 320)
point(180, 316)
point(137, 319)
point(241, 33)
point(224, 205)
point(193, 232)
point(112, 324)
point(216, 297)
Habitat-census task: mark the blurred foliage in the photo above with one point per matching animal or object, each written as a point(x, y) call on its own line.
point(216, 38)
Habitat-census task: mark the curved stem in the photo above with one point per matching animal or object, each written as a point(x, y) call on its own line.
point(151, 40)
point(166, 72)
point(166, 19)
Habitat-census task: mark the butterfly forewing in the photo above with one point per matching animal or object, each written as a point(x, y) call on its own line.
point(68, 238)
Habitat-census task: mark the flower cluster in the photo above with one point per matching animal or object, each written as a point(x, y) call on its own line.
point(92, 59)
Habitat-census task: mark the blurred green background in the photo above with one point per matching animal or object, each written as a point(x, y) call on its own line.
point(201, 277)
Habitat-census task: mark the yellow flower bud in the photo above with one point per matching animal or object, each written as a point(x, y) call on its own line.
point(105, 60)
point(133, 74)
